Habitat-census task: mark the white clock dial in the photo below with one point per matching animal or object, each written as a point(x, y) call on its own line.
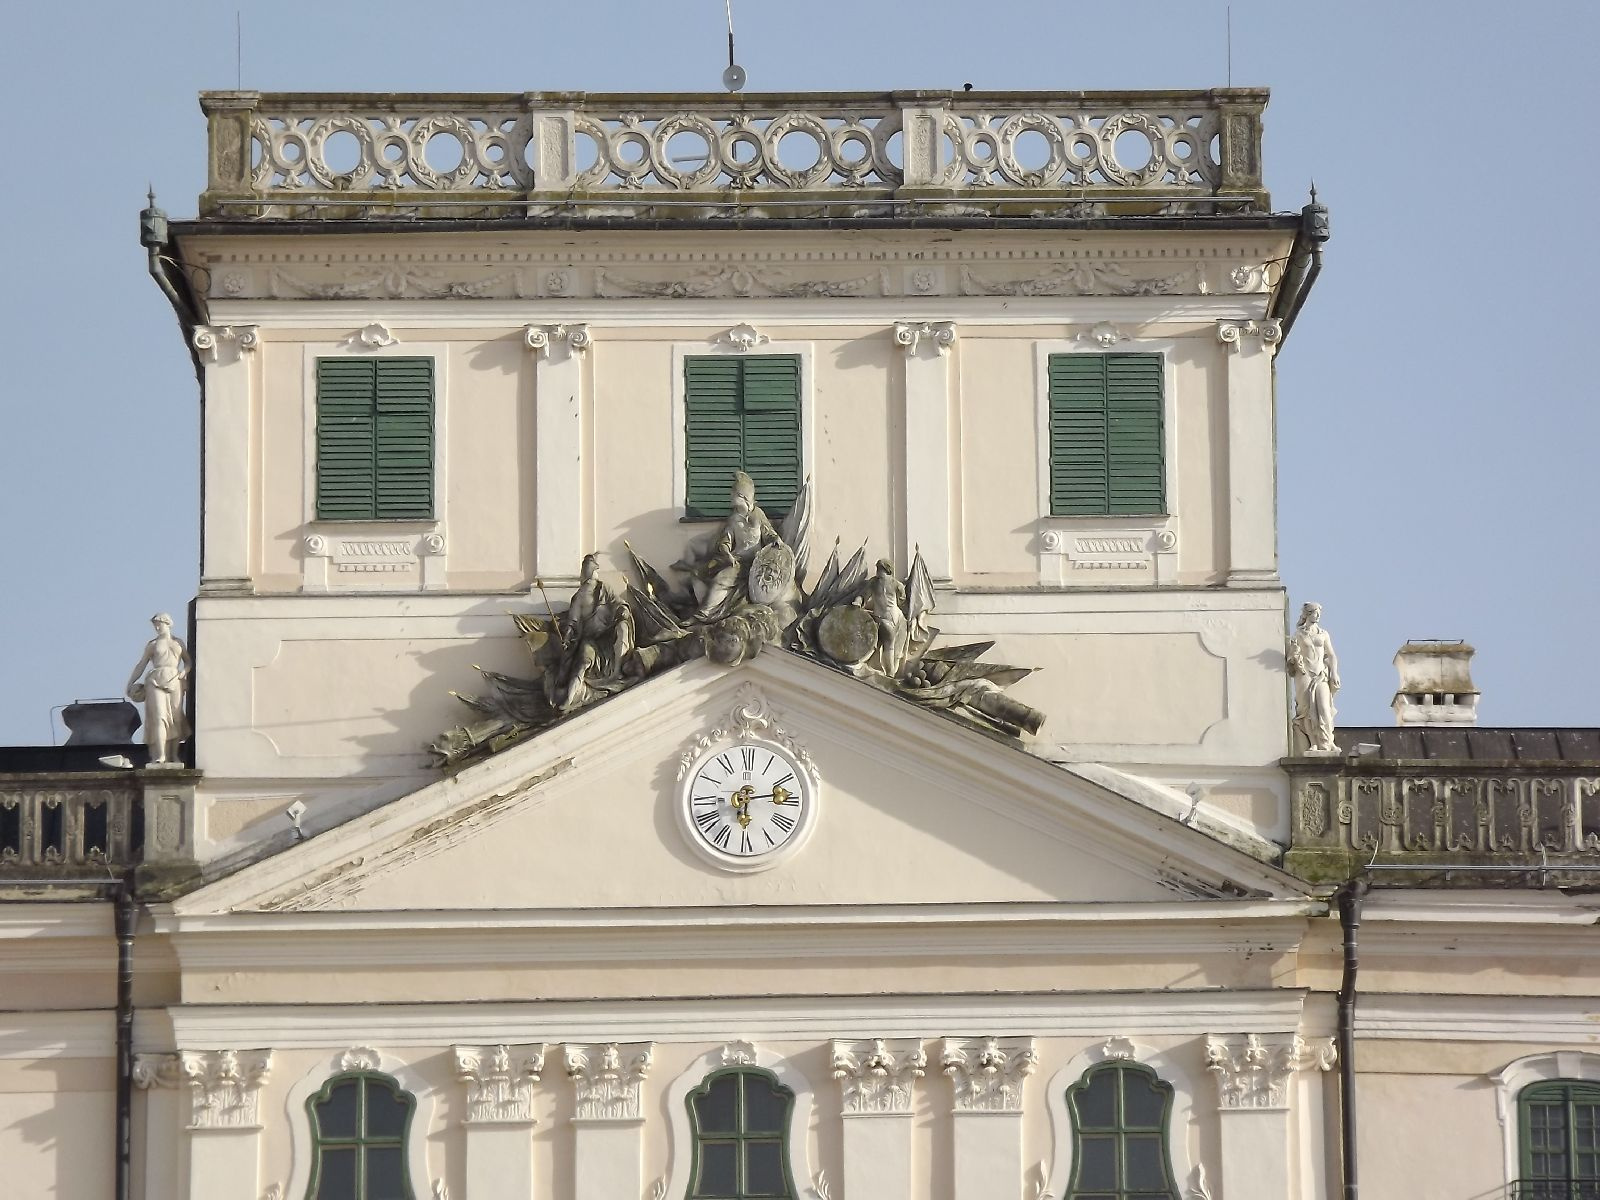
point(746, 803)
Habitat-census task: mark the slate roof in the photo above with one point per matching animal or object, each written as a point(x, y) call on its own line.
point(1475, 743)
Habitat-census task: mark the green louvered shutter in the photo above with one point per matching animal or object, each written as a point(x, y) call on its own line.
point(374, 439)
point(405, 438)
point(1105, 434)
point(741, 413)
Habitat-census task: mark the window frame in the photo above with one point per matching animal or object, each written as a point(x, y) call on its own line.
point(741, 1135)
point(1121, 1131)
point(324, 1094)
point(680, 437)
point(302, 1141)
point(734, 1055)
point(1159, 531)
point(1168, 1066)
point(1516, 1077)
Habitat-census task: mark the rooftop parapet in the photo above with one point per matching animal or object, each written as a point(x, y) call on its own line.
point(279, 155)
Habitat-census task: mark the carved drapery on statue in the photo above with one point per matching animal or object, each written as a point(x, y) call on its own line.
point(745, 589)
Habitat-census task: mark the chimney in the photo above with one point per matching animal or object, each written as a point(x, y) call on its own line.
point(1435, 684)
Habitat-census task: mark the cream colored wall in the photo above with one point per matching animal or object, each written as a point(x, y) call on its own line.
point(57, 1128)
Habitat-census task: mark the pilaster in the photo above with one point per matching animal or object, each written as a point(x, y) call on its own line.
point(1254, 1076)
point(608, 1125)
point(928, 374)
point(1252, 470)
point(225, 352)
point(224, 1121)
point(499, 1121)
point(877, 1079)
point(987, 1076)
point(558, 352)
point(158, 1077)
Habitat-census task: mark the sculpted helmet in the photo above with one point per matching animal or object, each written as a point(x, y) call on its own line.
point(744, 486)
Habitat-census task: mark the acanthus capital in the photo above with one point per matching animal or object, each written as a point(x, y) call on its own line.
point(224, 1085)
point(499, 1081)
point(878, 1075)
point(607, 1078)
point(988, 1072)
point(1253, 1072)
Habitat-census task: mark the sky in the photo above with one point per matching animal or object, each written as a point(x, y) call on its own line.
point(1438, 432)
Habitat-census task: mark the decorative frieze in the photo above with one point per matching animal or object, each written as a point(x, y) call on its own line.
point(878, 1076)
point(988, 1073)
point(499, 1081)
point(1253, 1072)
point(941, 335)
point(1235, 334)
point(224, 1086)
point(1072, 552)
point(540, 337)
point(607, 1078)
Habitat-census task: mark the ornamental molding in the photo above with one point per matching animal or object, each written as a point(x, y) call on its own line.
point(738, 1054)
point(1253, 1071)
point(607, 1078)
point(941, 335)
point(988, 1073)
point(360, 1058)
point(878, 1075)
point(1117, 1048)
point(224, 1086)
point(1267, 333)
point(752, 717)
point(1104, 335)
point(742, 338)
point(908, 270)
point(499, 1081)
point(210, 339)
point(375, 336)
point(156, 1070)
point(576, 336)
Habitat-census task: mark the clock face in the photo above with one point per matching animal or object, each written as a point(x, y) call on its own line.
point(747, 803)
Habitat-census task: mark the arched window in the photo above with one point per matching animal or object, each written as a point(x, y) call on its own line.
point(1559, 1135)
point(359, 1122)
point(1119, 1134)
point(739, 1120)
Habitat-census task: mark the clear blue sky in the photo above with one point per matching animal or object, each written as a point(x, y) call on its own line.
point(1438, 428)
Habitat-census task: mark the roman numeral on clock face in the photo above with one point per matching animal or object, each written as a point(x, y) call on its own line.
point(783, 821)
point(722, 835)
point(748, 754)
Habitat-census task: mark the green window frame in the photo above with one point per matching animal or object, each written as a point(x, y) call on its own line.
point(1120, 1116)
point(1558, 1139)
point(360, 1125)
point(375, 438)
point(739, 1119)
point(1107, 441)
point(741, 412)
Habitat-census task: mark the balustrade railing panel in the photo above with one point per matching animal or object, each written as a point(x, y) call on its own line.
point(308, 155)
point(67, 827)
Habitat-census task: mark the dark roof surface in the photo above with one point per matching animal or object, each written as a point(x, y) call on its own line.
point(1474, 742)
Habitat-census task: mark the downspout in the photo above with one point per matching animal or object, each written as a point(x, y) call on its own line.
point(126, 915)
point(1305, 263)
point(1350, 898)
point(154, 238)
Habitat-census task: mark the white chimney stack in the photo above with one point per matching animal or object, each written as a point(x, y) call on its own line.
point(1435, 684)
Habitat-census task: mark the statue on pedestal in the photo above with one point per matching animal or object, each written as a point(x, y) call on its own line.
point(161, 691)
point(1315, 669)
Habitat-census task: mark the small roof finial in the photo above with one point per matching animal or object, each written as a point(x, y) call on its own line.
point(1313, 191)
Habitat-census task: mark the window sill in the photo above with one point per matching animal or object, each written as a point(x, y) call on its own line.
point(1124, 548)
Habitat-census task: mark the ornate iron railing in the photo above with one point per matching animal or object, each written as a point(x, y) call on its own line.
point(284, 155)
point(69, 825)
point(1442, 815)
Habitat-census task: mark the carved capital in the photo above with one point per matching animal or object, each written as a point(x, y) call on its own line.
point(1233, 333)
point(499, 1081)
point(1254, 1072)
point(540, 337)
point(156, 1070)
point(210, 339)
point(878, 1076)
point(224, 1086)
point(742, 338)
point(910, 334)
point(988, 1072)
point(607, 1078)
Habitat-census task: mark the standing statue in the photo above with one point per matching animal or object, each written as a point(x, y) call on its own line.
point(1315, 668)
point(161, 692)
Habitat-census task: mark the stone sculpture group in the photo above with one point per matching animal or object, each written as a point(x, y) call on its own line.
point(746, 588)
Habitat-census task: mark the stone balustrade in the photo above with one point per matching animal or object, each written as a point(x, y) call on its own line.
point(1350, 813)
point(68, 825)
point(551, 154)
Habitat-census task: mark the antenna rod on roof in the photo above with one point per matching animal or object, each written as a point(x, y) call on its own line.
point(1230, 45)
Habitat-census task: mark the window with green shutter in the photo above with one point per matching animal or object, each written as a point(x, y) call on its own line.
point(1559, 1128)
point(1106, 453)
point(741, 413)
point(374, 439)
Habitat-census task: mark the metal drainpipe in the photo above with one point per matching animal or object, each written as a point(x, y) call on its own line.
point(1350, 898)
point(1305, 263)
point(127, 916)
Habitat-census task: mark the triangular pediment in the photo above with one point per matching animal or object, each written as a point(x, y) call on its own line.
point(911, 809)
